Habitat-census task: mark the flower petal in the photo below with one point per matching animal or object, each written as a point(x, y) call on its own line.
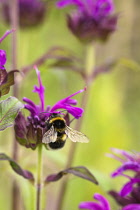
point(105, 6)
point(128, 187)
point(2, 59)
point(94, 8)
point(134, 166)
point(132, 207)
point(90, 205)
point(75, 111)
point(40, 90)
point(66, 104)
point(29, 101)
point(31, 107)
point(104, 203)
point(127, 155)
point(64, 3)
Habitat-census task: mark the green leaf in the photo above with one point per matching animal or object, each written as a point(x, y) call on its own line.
point(130, 64)
point(6, 80)
point(66, 64)
point(79, 171)
point(104, 68)
point(24, 173)
point(9, 109)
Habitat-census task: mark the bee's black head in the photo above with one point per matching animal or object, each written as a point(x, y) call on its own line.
point(57, 121)
point(54, 115)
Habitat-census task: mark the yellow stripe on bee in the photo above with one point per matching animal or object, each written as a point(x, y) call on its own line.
point(63, 137)
point(56, 118)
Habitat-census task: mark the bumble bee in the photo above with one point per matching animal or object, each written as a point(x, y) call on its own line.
point(58, 131)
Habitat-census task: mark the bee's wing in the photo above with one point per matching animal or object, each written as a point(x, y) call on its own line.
point(76, 136)
point(50, 136)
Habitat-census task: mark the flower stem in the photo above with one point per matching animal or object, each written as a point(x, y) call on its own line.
point(89, 59)
point(39, 179)
point(13, 5)
point(14, 25)
point(89, 66)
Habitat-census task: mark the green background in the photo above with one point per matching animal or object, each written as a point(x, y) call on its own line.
point(111, 118)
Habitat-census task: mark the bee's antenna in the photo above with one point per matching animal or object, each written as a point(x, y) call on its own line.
point(64, 111)
point(72, 120)
point(55, 112)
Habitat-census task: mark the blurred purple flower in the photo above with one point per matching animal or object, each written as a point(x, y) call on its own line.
point(103, 204)
point(29, 132)
point(95, 8)
point(6, 78)
point(130, 162)
point(2, 52)
point(2, 59)
point(132, 207)
point(31, 12)
point(92, 19)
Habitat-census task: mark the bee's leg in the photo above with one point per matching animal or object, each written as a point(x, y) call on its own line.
point(72, 120)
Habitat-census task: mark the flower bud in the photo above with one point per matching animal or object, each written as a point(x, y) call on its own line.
point(31, 12)
point(92, 20)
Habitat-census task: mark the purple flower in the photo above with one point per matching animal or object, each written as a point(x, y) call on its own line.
point(103, 204)
point(6, 78)
point(132, 207)
point(2, 59)
point(95, 8)
point(130, 162)
point(67, 103)
point(31, 12)
point(2, 52)
point(92, 19)
point(29, 132)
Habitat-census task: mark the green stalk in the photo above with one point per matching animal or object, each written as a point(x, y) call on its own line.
point(13, 5)
point(89, 66)
point(90, 59)
point(39, 179)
